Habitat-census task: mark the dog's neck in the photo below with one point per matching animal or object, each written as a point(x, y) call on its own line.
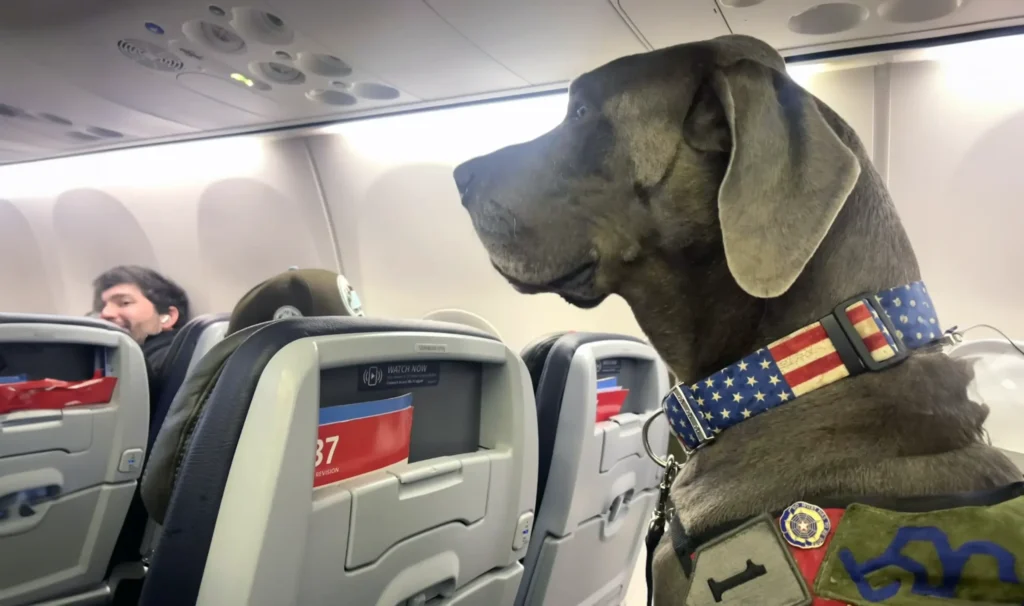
point(700, 321)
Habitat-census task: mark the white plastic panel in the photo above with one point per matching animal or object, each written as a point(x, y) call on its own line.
point(404, 503)
point(601, 487)
point(450, 522)
point(540, 40)
point(79, 449)
point(999, 384)
point(803, 25)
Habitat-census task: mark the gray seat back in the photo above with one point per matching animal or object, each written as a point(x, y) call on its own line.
point(267, 510)
point(597, 486)
point(69, 459)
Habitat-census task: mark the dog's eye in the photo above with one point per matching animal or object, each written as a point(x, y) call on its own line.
point(581, 112)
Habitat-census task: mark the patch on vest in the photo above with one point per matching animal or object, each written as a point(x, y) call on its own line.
point(749, 565)
point(804, 525)
point(287, 311)
point(969, 554)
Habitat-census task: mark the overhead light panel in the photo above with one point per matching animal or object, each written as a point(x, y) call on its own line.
point(242, 78)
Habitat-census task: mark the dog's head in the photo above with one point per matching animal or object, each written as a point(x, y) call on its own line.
point(707, 146)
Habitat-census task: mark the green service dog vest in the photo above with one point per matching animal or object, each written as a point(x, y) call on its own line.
point(963, 549)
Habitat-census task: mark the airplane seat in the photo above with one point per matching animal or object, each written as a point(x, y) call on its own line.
point(596, 485)
point(357, 461)
point(74, 416)
point(191, 343)
point(214, 338)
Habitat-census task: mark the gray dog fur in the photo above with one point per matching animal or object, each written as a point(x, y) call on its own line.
point(729, 207)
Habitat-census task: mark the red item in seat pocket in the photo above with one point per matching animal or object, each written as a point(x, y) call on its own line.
point(54, 394)
point(609, 403)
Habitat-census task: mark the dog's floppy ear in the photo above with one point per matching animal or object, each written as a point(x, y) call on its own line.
point(789, 174)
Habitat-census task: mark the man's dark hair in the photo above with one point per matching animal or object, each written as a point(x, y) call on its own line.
point(163, 292)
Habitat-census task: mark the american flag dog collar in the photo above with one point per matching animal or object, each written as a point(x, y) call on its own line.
point(867, 332)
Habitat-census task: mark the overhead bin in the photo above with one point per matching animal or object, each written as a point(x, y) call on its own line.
point(74, 414)
point(800, 26)
point(356, 461)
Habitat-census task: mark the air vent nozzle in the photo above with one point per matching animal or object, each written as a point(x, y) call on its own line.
point(150, 55)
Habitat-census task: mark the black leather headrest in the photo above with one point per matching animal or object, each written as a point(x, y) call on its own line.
point(184, 343)
point(179, 357)
point(535, 355)
point(177, 566)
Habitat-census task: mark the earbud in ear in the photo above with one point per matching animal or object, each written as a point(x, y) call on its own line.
point(164, 319)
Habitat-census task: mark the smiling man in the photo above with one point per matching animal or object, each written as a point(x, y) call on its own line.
point(149, 306)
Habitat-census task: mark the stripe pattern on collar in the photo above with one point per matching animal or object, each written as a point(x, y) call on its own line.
point(799, 363)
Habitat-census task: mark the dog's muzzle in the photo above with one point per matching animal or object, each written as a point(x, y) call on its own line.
point(567, 286)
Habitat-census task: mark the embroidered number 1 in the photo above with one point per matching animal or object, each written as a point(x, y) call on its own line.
point(751, 572)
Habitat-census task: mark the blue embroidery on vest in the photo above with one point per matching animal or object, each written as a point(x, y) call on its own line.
point(952, 560)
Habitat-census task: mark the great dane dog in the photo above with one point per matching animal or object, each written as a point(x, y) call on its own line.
point(730, 207)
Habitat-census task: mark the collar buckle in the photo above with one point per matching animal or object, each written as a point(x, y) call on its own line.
point(703, 434)
point(849, 344)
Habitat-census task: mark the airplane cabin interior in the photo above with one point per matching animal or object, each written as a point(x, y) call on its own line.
point(254, 351)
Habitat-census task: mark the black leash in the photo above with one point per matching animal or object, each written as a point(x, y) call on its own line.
point(664, 511)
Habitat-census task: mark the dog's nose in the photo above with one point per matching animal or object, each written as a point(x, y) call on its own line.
point(464, 177)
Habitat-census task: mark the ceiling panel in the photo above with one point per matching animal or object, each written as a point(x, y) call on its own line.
point(88, 74)
point(91, 54)
point(402, 41)
point(48, 96)
point(191, 63)
point(805, 25)
point(667, 22)
point(22, 134)
point(543, 41)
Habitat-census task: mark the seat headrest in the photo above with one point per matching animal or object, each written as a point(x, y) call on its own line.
point(293, 294)
point(21, 318)
point(535, 355)
point(464, 317)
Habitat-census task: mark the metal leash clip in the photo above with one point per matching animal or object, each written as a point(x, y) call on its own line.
point(663, 509)
point(953, 337)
